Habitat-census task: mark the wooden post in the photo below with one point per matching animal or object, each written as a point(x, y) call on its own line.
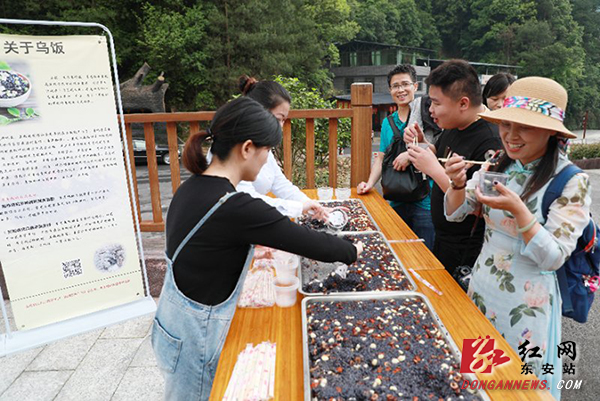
point(135, 198)
point(333, 151)
point(153, 173)
point(310, 153)
point(287, 149)
point(361, 95)
point(174, 155)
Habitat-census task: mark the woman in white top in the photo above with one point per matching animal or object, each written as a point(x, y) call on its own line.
point(290, 200)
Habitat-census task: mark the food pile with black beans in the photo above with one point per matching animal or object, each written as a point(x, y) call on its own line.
point(376, 270)
point(12, 85)
point(358, 219)
point(380, 350)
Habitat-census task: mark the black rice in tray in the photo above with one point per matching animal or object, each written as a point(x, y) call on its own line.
point(358, 219)
point(376, 270)
point(387, 349)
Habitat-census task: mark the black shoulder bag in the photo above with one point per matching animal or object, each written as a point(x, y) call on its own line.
point(409, 185)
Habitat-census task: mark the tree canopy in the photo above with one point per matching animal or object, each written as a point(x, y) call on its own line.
point(204, 46)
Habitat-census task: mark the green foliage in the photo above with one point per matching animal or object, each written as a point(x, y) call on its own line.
point(584, 151)
point(558, 39)
point(395, 21)
point(203, 47)
point(173, 38)
point(263, 38)
point(304, 97)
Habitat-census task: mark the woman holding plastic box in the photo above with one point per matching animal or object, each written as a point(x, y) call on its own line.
point(514, 281)
point(210, 230)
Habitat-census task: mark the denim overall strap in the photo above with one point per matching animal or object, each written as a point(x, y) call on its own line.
point(197, 226)
point(187, 336)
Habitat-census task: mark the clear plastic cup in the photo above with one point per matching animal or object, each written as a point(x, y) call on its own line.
point(285, 292)
point(286, 266)
point(338, 219)
point(342, 193)
point(325, 193)
point(486, 182)
point(422, 145)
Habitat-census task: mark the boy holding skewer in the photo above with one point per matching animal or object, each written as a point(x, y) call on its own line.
point(456, 101)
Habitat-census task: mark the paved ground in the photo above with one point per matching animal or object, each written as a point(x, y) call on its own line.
point(117, 363)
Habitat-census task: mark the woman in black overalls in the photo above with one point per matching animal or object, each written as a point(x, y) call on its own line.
point(210, 231)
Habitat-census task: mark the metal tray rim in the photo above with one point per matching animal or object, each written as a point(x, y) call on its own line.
point(363, 206)
point(367, 297)
point(353, 233)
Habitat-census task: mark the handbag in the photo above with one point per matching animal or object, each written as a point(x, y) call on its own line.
point(409, 185)
point(462, 275)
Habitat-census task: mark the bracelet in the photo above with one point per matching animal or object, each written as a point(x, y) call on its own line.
point(455, 187)
point(528, 227)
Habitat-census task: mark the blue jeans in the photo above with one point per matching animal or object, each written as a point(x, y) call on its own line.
point(187, 336)
point(419, 220)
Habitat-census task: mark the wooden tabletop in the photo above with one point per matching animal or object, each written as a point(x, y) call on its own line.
point(464, 320)
point(461, 317)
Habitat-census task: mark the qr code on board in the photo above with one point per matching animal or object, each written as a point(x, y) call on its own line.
point(72, 268)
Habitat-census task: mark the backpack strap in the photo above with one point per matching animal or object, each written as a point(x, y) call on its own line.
point(394, 127)
point(556, 187)
point(554, 191)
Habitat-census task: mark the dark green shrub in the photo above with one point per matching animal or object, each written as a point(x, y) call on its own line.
point(584, 151)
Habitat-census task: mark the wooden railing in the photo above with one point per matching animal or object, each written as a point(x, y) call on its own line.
point(360, 158)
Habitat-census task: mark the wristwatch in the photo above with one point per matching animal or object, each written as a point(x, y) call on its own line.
point(456, 187)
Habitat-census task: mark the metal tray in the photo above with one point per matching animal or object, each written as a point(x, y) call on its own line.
point(377, 296)
point(362, 205)
point(412, 285)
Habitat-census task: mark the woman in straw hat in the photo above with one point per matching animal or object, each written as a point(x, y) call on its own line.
point(513, 281)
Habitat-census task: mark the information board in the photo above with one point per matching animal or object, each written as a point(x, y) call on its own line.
point(67, 240)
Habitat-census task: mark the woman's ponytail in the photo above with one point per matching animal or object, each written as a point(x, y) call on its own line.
point(193, 155)
point(246, 84)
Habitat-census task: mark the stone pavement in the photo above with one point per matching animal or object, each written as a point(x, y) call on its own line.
point(116, 363)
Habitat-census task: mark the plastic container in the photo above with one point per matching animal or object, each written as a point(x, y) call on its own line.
point(486, 182)
point(286, 266)
point(338, 219)
point(286, 292)
point(342, 193)
point(325, 193)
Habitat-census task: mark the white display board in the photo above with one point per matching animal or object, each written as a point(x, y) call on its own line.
point(68, 243)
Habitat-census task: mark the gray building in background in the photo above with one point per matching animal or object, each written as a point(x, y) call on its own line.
point(362, 61)
point(370, 62)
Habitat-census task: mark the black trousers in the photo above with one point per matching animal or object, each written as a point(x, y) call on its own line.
point(453, 251)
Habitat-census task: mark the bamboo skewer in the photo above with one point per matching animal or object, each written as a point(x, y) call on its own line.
point(445, 159)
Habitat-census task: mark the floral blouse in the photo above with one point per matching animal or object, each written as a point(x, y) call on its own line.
point(513, 283)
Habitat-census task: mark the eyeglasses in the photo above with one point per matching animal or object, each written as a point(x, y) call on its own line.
point(403, 85)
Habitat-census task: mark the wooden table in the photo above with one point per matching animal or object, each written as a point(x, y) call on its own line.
point(461, 317)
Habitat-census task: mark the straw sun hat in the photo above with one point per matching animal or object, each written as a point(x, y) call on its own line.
point(534, 101)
